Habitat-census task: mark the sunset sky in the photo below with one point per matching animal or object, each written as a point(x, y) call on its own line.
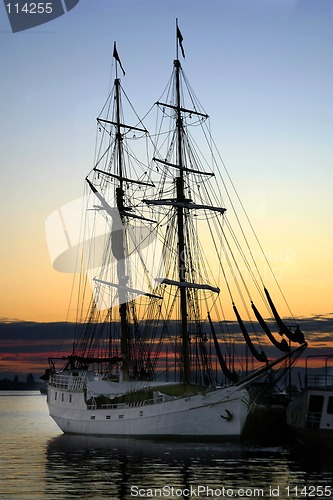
point(263, 70)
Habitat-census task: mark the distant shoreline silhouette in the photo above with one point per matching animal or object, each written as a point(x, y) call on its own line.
point(30, 384)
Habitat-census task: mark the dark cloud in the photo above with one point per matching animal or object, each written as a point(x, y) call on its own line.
point(25, 342)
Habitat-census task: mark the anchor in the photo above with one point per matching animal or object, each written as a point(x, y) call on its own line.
point(228, 417)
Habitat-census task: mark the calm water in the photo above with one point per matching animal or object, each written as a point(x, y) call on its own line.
point(38, 462)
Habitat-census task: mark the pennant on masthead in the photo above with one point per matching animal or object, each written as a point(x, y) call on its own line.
point(117, 58)
point(180, 41)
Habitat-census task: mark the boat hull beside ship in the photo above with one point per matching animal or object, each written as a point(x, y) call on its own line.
point(310, 417)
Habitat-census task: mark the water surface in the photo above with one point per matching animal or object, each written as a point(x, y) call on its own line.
point(38, 462)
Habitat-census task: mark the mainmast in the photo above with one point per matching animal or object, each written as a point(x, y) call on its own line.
point(182, 205)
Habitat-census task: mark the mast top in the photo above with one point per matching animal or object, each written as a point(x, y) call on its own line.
point(117, 58)
point(179, 42)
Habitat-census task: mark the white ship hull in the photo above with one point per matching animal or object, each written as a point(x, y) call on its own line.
point(220, 413)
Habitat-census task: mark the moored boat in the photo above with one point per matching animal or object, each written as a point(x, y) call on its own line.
point(155, 355)
point(310, 414)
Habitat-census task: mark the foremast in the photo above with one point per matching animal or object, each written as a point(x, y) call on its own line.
point(120, 214)
point(118, 244)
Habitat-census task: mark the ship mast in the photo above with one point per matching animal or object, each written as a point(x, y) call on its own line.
point(182, 206)
point(180, 198)
point(118, 244)
point(120, 216)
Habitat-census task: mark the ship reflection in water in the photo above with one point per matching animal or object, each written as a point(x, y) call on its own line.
point(99, 467)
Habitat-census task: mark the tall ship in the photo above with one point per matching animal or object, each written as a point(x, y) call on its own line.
point(172, 307)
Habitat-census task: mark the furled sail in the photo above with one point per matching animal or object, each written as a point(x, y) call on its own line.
point(299, 335)
point(296, 336)
point(86, 360)
point(184, 169)
point(127, 288)
point(125, 179)
point(185, 204)
point(186, 284)
point(283, 345)
point(231, 375)
point(260, 356)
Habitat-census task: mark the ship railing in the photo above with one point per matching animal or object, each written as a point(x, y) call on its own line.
point(324, 382)
point(107, 406)
point(67, 382)
point(119, 406)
